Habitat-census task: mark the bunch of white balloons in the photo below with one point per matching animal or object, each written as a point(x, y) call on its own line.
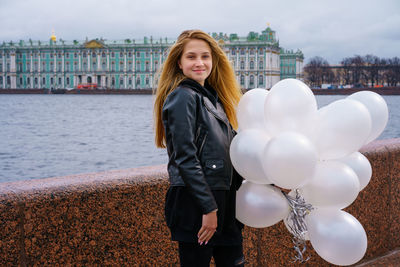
point(285, 140)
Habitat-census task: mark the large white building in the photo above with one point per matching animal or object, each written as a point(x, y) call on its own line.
point(129, 64)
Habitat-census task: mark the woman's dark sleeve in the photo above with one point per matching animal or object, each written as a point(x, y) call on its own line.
point(179, 115)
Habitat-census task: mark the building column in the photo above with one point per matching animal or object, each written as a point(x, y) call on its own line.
point(89, 62)
point(256, 60)
point(98, 61)
point(125, 62)
point(79, 61)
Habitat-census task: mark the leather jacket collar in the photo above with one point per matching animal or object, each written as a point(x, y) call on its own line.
point(211, 100)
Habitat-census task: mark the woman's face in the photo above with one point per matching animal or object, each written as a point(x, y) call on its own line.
point(196, 60)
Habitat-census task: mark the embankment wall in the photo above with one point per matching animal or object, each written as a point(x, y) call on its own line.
point(115, 218)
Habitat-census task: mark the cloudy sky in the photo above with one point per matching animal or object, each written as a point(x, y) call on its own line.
point(330, 29)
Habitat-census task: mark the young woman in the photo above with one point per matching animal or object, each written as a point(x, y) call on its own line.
point(194, 113)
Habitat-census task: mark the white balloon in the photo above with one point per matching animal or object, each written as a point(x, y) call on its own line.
point(260, 205)
point(289, 160)
point(289, 106)
point(336, 236)
point(246, 153)
point(334, 185)
point(341, 128)
point(361, 166)
point(250, 111)
point(378, 110)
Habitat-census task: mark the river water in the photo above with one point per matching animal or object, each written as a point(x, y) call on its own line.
point(55, 135)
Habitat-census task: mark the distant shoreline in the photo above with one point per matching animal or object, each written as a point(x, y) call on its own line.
point(348, 91)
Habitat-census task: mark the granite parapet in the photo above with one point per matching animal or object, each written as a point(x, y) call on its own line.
point(116, 218)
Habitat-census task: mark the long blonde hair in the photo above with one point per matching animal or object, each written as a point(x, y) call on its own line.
point(222, 79)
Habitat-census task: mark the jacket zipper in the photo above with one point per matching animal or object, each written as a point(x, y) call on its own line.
point(202, 144)
point(229, 136)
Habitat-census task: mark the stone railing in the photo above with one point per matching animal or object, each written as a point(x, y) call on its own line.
point(116, 218)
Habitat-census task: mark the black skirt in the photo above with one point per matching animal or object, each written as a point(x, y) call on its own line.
point(184, 217)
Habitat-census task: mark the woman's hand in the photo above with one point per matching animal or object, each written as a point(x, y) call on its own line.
point(208, 227)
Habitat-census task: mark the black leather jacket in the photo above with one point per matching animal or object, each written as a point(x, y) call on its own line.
point(198, 136)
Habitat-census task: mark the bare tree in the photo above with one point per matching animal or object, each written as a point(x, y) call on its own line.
point(317, 72)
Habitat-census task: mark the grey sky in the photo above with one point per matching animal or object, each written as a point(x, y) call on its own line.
point(330, 29)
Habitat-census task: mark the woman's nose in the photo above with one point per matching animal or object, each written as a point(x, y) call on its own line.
point(199, 61)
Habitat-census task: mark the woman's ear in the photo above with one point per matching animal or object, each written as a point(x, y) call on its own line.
point(179, 64)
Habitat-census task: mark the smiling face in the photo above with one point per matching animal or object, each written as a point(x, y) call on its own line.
point(196, 60)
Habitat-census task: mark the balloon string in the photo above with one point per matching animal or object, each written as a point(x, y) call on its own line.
point(297, 224)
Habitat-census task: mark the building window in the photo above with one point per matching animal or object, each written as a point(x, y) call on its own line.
point(51, 81)
point(121, 66)
point(242, 51)
point(137, 54)
point(94, 54)
point(67, 66)
point(252, 65)
point(28, 80)
point(75, 66)
point(84, 66)
point(103, 54)
point(52, 66)
point(103, 65)
point(1, 67)
point(261, 51)
point(44, 66)
point(147, 54)
point(252, 51)
point(147, 66)
point(242, 65)
point(261, 65)
point(36, 81)
point(8, 66)
point(112, 54)
point(94, 66)
point(20, 80)
point(121, 82)
point(147, 80)
point(113, 81)
point(35, 66)
point(8, 80)
point(233, 51)
point(59, 66)
point(130, 81)
point(19, 67)
point(130, 54)
point(44, 80)
point(67, 55)
point(241, 79)
point(75, 55)
point(138, 81)
point(261, 80)
point(68, 80)
point(251, 80)
point(51, 55)
point(84, 54)
point(113, 66)
point(137, 65)
point(130, 66)
point(155, 65)
point(28, 66)
point(59, 81)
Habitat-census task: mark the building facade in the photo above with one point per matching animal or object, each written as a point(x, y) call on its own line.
point(257, 59)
